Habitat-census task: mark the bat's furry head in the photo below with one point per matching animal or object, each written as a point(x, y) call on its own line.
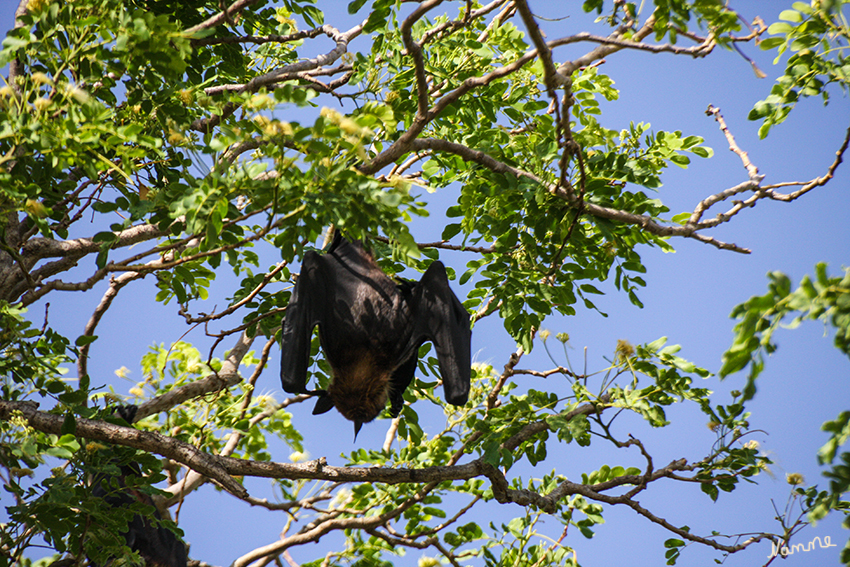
point(359, 391)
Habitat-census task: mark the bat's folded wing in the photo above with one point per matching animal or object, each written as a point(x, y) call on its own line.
point(441, 318)
point(305, 310)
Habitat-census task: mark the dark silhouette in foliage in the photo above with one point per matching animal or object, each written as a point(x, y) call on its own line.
point(157, 545)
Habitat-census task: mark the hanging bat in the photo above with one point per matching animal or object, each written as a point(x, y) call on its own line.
point(156, 544)
point(370, 329)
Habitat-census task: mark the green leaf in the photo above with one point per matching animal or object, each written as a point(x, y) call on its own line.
point(791, 16)
point(105, 237)
point(355, 6)
point(587, 288)
point(451, 230)
point(84, 340)
point(780, 28)
point(69, 424)
point(771, 43)
point(55, 387)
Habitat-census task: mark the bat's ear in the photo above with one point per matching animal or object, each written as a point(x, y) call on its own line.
point(323, 404)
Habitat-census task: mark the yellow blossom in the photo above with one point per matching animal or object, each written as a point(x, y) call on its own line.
point(77, 94)
point(330, 115)
point(41, 78)
point(349, 126)
point(794, 479)
point(399, 182)
point(624, 350)
point(187, 97)
point(36, 209)
point(342, 496)
point(361, 152)
point(298, 456)
point(35, 6)
point(482, 368)
point(18, 420)
point(284, 18)
point(176, 138)
point(260, 101)
point(41, 104)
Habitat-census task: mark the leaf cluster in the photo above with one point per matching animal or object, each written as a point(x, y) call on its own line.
point(816, 36)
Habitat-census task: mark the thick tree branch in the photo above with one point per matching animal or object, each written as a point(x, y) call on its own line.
point(15, 66)
point(219, 469)
point(126, 265)
point(178, 451)
point(70, 252)
point(149, 441)
point(414, 50)
point(552, 78)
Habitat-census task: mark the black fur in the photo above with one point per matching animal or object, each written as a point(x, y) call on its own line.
point(157, 545)
point(371, 329)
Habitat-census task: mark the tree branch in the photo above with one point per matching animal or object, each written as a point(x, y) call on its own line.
point(224, 16)
point(645, 222)
point(414, 50)
point(226, 377)
point(70, 252)
point(206, 125)
point(817, 182)
point(149, 441)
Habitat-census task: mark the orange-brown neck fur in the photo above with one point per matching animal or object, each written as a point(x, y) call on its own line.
point(359, 390)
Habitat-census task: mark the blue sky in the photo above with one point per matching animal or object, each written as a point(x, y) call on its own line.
point(688, 298)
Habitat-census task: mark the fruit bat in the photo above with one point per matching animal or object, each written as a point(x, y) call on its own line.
point(370, 329)
point(157, 545)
